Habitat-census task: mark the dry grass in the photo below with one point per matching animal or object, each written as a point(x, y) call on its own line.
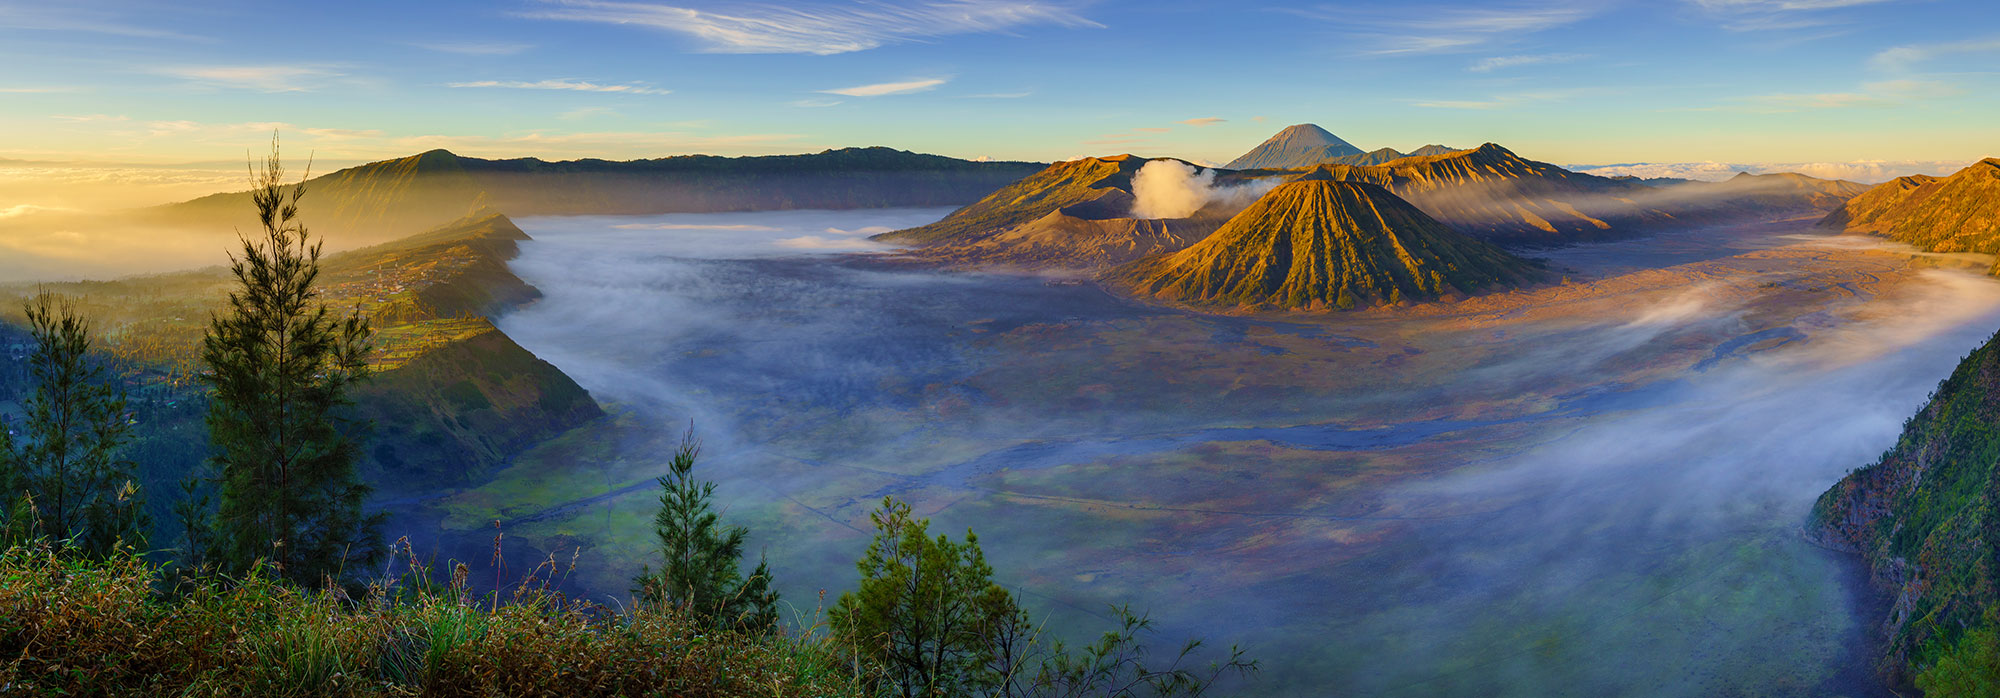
point(114, 627)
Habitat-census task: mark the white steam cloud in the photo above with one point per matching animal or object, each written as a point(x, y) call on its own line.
point(1174, 189)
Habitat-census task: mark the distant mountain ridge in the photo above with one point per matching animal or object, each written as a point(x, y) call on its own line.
point(1321, 244)
point(1300, 145)
point(384, 200)
point(1383, 156)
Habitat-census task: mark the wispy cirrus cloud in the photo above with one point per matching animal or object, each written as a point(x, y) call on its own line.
point(1448, 29)
point(820, 28)
point(264, 78)
point(1776, 15)
point(1202, 121)
point(587, 113)
point(1504, 101)
point(1487, 65)
point(474, 48)
point(67, 17)
point(1909, 57)
point(889, 88)
point(562, 84)
point(1884, 93)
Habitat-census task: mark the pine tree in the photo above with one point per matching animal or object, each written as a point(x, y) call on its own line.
point(700, 569)
point(15, 523)
point(76, 488)
point(280, 367)
point(928, 611)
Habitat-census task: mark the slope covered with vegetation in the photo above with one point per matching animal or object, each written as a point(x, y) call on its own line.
point(1960, 213)
point(1323, 244)
point(1926, 518)
point(452, 396)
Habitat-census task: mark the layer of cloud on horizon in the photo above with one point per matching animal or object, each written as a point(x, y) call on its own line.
point(1864, 171)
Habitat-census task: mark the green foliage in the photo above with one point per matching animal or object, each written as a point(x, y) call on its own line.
point(1969, 669)
point(929, 617)
point(927, 610)
point(68, 479)
point(1115, 667)
point(280, 367)
point(699, 570)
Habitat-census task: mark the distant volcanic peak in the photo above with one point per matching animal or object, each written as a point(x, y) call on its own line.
point(1307, 135)
point(1318, 244)
point(1433, 150)
point(1301, 145)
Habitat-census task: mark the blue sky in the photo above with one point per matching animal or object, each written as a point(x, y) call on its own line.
point(1583, 81)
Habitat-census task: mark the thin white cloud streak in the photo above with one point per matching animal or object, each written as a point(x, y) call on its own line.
point(889, 88)
point(1780, 5)
point(473, 48)
point(587, 113)
point(1450, 29)
point(266, 78)
point(559, 84)
point(25, 209)
point(1775, 15)
point(1905, 58)
point(1503, 101)
point(822, 29)
point(1884, 93)
point(62, 17)
point(1202, 121)
point(1487, 65)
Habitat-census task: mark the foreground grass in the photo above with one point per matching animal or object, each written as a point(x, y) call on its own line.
point(113, 627)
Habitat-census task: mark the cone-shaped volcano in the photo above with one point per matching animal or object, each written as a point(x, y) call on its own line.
point(1320, 244)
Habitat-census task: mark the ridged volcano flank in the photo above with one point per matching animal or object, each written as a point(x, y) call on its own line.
point(1057, 186)
point(1322, 244)
point(1960, 213)
point(1303, 145)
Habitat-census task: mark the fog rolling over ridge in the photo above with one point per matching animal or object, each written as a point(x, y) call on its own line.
point(1555, 503)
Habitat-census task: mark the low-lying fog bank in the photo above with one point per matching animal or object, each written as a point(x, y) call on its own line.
point(1495, 505)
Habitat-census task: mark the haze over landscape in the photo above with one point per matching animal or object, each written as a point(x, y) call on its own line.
point(979, 348)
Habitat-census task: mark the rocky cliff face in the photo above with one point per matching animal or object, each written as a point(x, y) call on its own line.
point(1926, 516)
